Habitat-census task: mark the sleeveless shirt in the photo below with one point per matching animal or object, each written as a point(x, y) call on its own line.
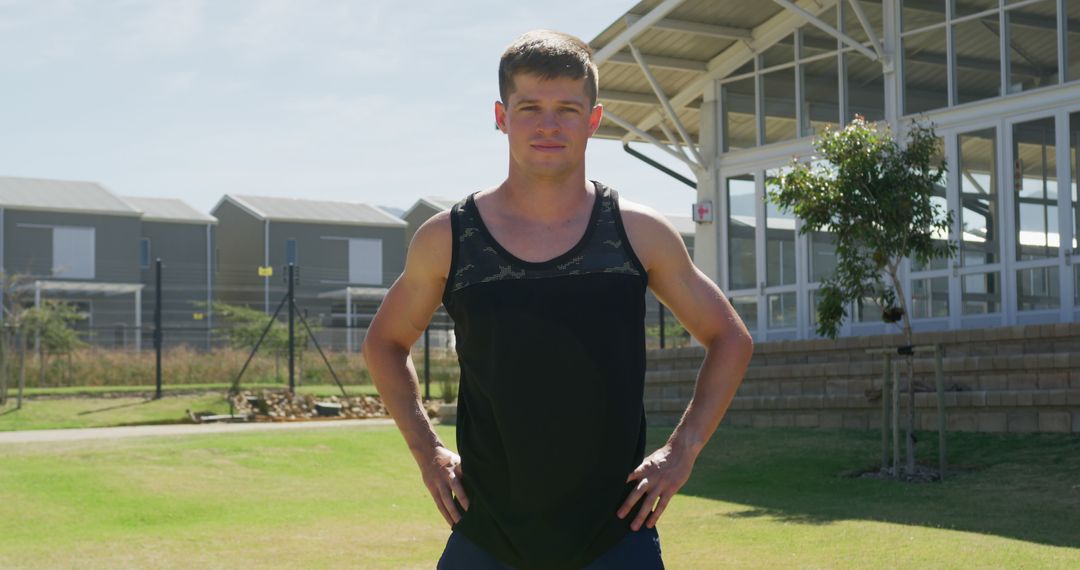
point(550, 414)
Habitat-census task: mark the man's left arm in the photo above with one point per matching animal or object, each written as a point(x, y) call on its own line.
point(707, 315)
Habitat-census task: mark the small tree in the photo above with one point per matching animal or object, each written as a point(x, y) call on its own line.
point(52, 323)
point(876, 198)
point(246, 324)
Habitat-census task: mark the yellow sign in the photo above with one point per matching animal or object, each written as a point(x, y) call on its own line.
point(266, 271)
point(197, 316)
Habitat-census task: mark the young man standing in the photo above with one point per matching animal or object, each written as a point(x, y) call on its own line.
point(545, 278)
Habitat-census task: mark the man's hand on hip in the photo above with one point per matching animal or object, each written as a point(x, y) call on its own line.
point(442, 476)
point(659, 477)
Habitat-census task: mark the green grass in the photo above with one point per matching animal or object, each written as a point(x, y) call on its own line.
point(77, 408)
point(352, 498)
point(319, 389)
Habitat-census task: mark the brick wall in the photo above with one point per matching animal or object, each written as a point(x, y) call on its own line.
point(1009, 379)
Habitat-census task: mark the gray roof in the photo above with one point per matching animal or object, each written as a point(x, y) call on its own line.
point(168, 210)
point(433, 202)
point(313, 211)
point(61, 196)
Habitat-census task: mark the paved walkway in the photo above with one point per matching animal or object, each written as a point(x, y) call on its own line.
point(45, 435)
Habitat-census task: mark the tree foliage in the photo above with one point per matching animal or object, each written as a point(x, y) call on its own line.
point(876, 198)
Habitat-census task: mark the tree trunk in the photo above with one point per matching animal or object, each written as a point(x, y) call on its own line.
point(908, 336)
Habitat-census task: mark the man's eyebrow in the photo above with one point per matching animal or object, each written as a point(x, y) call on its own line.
point(560, 102)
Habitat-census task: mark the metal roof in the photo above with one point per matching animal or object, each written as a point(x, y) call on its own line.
point(434, 202)
point(61, 196)
point(684, 45)
point(85, 287)
point(168, 210)
point(313, 211)
point(356, 294)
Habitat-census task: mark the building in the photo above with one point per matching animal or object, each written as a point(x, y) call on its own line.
point(76, 242)
point(346, 253)
point(734, 90)
point(421, 211)
point(183, 239)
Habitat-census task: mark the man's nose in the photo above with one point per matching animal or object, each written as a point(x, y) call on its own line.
point(549, 122)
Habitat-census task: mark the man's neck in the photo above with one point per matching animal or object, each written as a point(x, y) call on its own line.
point(544, 198)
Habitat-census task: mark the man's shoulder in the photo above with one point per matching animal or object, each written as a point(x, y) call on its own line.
point(651, 234)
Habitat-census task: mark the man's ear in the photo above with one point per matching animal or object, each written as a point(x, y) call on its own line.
point(500, 116)
point(595, 117)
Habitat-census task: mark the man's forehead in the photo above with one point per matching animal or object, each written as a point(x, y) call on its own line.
point(529, 86)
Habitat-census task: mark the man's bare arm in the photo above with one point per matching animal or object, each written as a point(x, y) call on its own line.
point(401, 319)
point(705, 312)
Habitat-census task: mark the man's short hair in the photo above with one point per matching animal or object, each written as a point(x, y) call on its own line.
point(548, 54)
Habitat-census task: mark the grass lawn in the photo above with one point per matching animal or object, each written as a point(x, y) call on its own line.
point(352, 498)
point(77, 408)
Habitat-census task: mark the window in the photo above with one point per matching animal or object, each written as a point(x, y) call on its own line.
point(144, 253)
point(742, 232)
point(290, 251)
point(365, 261)
point(73, 253)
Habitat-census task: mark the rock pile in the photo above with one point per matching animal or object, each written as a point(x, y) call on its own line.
point(272, 406)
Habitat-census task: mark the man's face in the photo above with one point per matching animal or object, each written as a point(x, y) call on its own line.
point(548, 123)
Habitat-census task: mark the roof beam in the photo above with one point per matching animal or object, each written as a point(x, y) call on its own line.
point(651, 139)
point(662, 97)
point(632, 31)
point(636, 98)
point(768, 33)
point(870, 33)
point(829, 29)
point(662, 62)
point(697, 28)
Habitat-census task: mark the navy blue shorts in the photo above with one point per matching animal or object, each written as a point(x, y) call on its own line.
point(638, 551)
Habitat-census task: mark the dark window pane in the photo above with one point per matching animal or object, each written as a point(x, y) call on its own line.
point(1032, 46)
point(740, 128)
point(779, 105)
point(925, 75)
point(921, 13)
point(820, 101)
point(976, 44)
point(968, 7)
point(1035, 190)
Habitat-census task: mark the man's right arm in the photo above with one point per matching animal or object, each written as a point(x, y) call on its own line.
point(401, 319)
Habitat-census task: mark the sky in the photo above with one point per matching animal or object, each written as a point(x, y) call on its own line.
point(365, 100)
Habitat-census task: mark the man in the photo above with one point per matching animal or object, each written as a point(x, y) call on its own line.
point(545, 278)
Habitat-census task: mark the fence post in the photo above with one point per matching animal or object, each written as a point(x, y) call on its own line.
point(661, 306)
point(886, 392)
point(896, 420)
point(427, 363)
point(939, 379)
point(158, 333)
point(292, 317)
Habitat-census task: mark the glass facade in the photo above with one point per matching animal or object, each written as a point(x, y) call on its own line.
point(978, 198)
point(1035, 187)
point(1037, 289)
point(742, 232)
point(930, 298)
point(1015, 202)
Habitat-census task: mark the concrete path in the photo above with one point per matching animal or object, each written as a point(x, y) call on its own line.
point(45, 435)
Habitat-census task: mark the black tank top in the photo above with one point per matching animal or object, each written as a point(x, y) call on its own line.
point(550, 414)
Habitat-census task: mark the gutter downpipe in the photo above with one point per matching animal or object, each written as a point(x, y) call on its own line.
point(642, 157)
point(266, 263)
point(209, 288)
